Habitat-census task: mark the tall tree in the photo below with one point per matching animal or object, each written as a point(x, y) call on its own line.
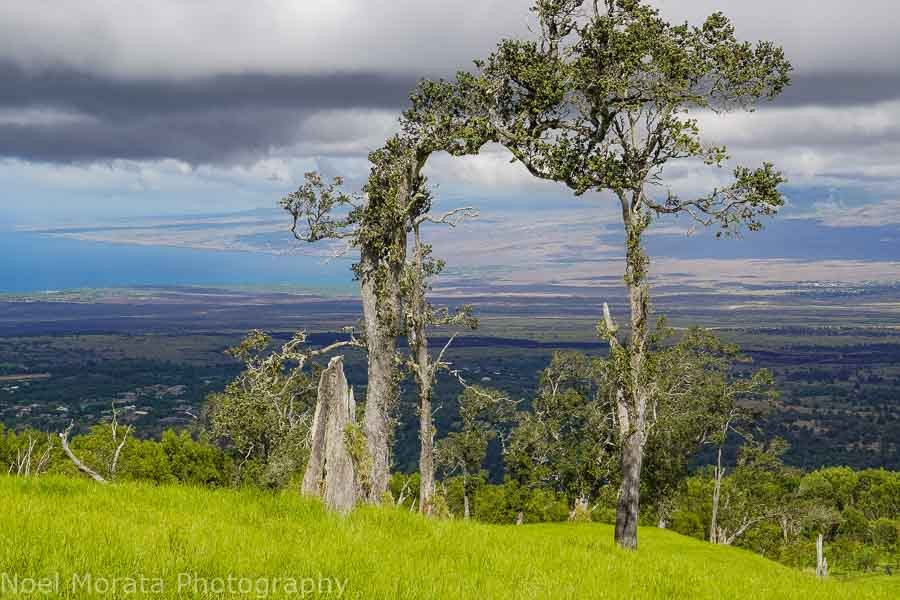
point(377, 223)
point(602, 102)
point(420, 315)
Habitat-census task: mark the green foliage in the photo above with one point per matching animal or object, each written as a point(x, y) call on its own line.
point(687, 523)
point(482, 412)
point(566, 442)
point(603, 102)
point(502, 504)
point(456, 487)
point(315, 203)
point(854, 525)
point(195, 462)
point(404, 489)
point(355, 442)
point(149, 460)
point(263, 413)
point(788, 510)
point(885, 533)
point(878, 493)
point(702, 392)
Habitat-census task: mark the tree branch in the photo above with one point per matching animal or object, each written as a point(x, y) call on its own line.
point(64, 441)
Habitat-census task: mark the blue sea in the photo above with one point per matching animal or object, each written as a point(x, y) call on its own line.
point(34, 262)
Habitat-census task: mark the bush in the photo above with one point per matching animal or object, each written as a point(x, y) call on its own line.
point(801, 554)
point(865, 559)
point(544, 506)
point(685, 523)
point(885, 533)
point(405, 486)
point(604, 515)
point(853, 525)
point(492, 505)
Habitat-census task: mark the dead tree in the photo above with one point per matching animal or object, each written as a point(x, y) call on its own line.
point(821, 561)
point(331, 472)
point(24, 465)
point(377, 223)
point(114, 428)
point(377, 226)
point(64, 442)
point(119, 440)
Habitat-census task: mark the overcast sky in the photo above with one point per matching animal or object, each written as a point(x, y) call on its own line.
point(167, 106)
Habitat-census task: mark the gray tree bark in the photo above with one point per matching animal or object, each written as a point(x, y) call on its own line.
point(628, 507)
point(821, 561)
point(330, 472)
point(426, 453)
point(424, 370)
point(717, 492)
point(315, 467)
point(381, 319)
point(632, 398)
point(340, 474)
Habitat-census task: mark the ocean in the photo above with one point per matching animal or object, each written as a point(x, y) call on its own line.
point(35, 262)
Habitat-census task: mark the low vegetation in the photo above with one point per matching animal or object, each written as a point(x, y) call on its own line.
point(76, 528)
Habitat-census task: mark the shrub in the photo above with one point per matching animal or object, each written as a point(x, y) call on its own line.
point(885, 533)
point(685, 523)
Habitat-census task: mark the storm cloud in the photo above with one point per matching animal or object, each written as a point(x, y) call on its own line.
point(221, 82)
point(65, 115)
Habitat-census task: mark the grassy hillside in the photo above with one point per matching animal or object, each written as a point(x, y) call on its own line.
point(190, 537)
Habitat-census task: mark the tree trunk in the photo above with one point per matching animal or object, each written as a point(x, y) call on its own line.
point(633, 394)
point(315, 466)
point(417, 321)
point(466, 509)
point(821, 561)
point(717, 491)
point(330, 472)
point(340, 474)
point(381, 318)
point(426, 454)
point(629, 493)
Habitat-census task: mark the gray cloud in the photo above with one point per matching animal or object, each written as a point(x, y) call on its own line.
point(114, 98)
point(840, 88)
point(198, 120)
point(212, 82)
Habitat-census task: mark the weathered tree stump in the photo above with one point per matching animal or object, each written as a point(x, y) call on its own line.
point(821, 561)
point(330, 473)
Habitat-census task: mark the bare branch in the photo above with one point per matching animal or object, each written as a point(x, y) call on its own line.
point(64, 442)
point(452, 218)
point(439, 362)
point(115, 461)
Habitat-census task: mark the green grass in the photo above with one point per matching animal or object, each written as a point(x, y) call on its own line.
point(74, 527)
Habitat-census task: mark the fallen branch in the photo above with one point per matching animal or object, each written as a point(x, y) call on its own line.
point(64, 442)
